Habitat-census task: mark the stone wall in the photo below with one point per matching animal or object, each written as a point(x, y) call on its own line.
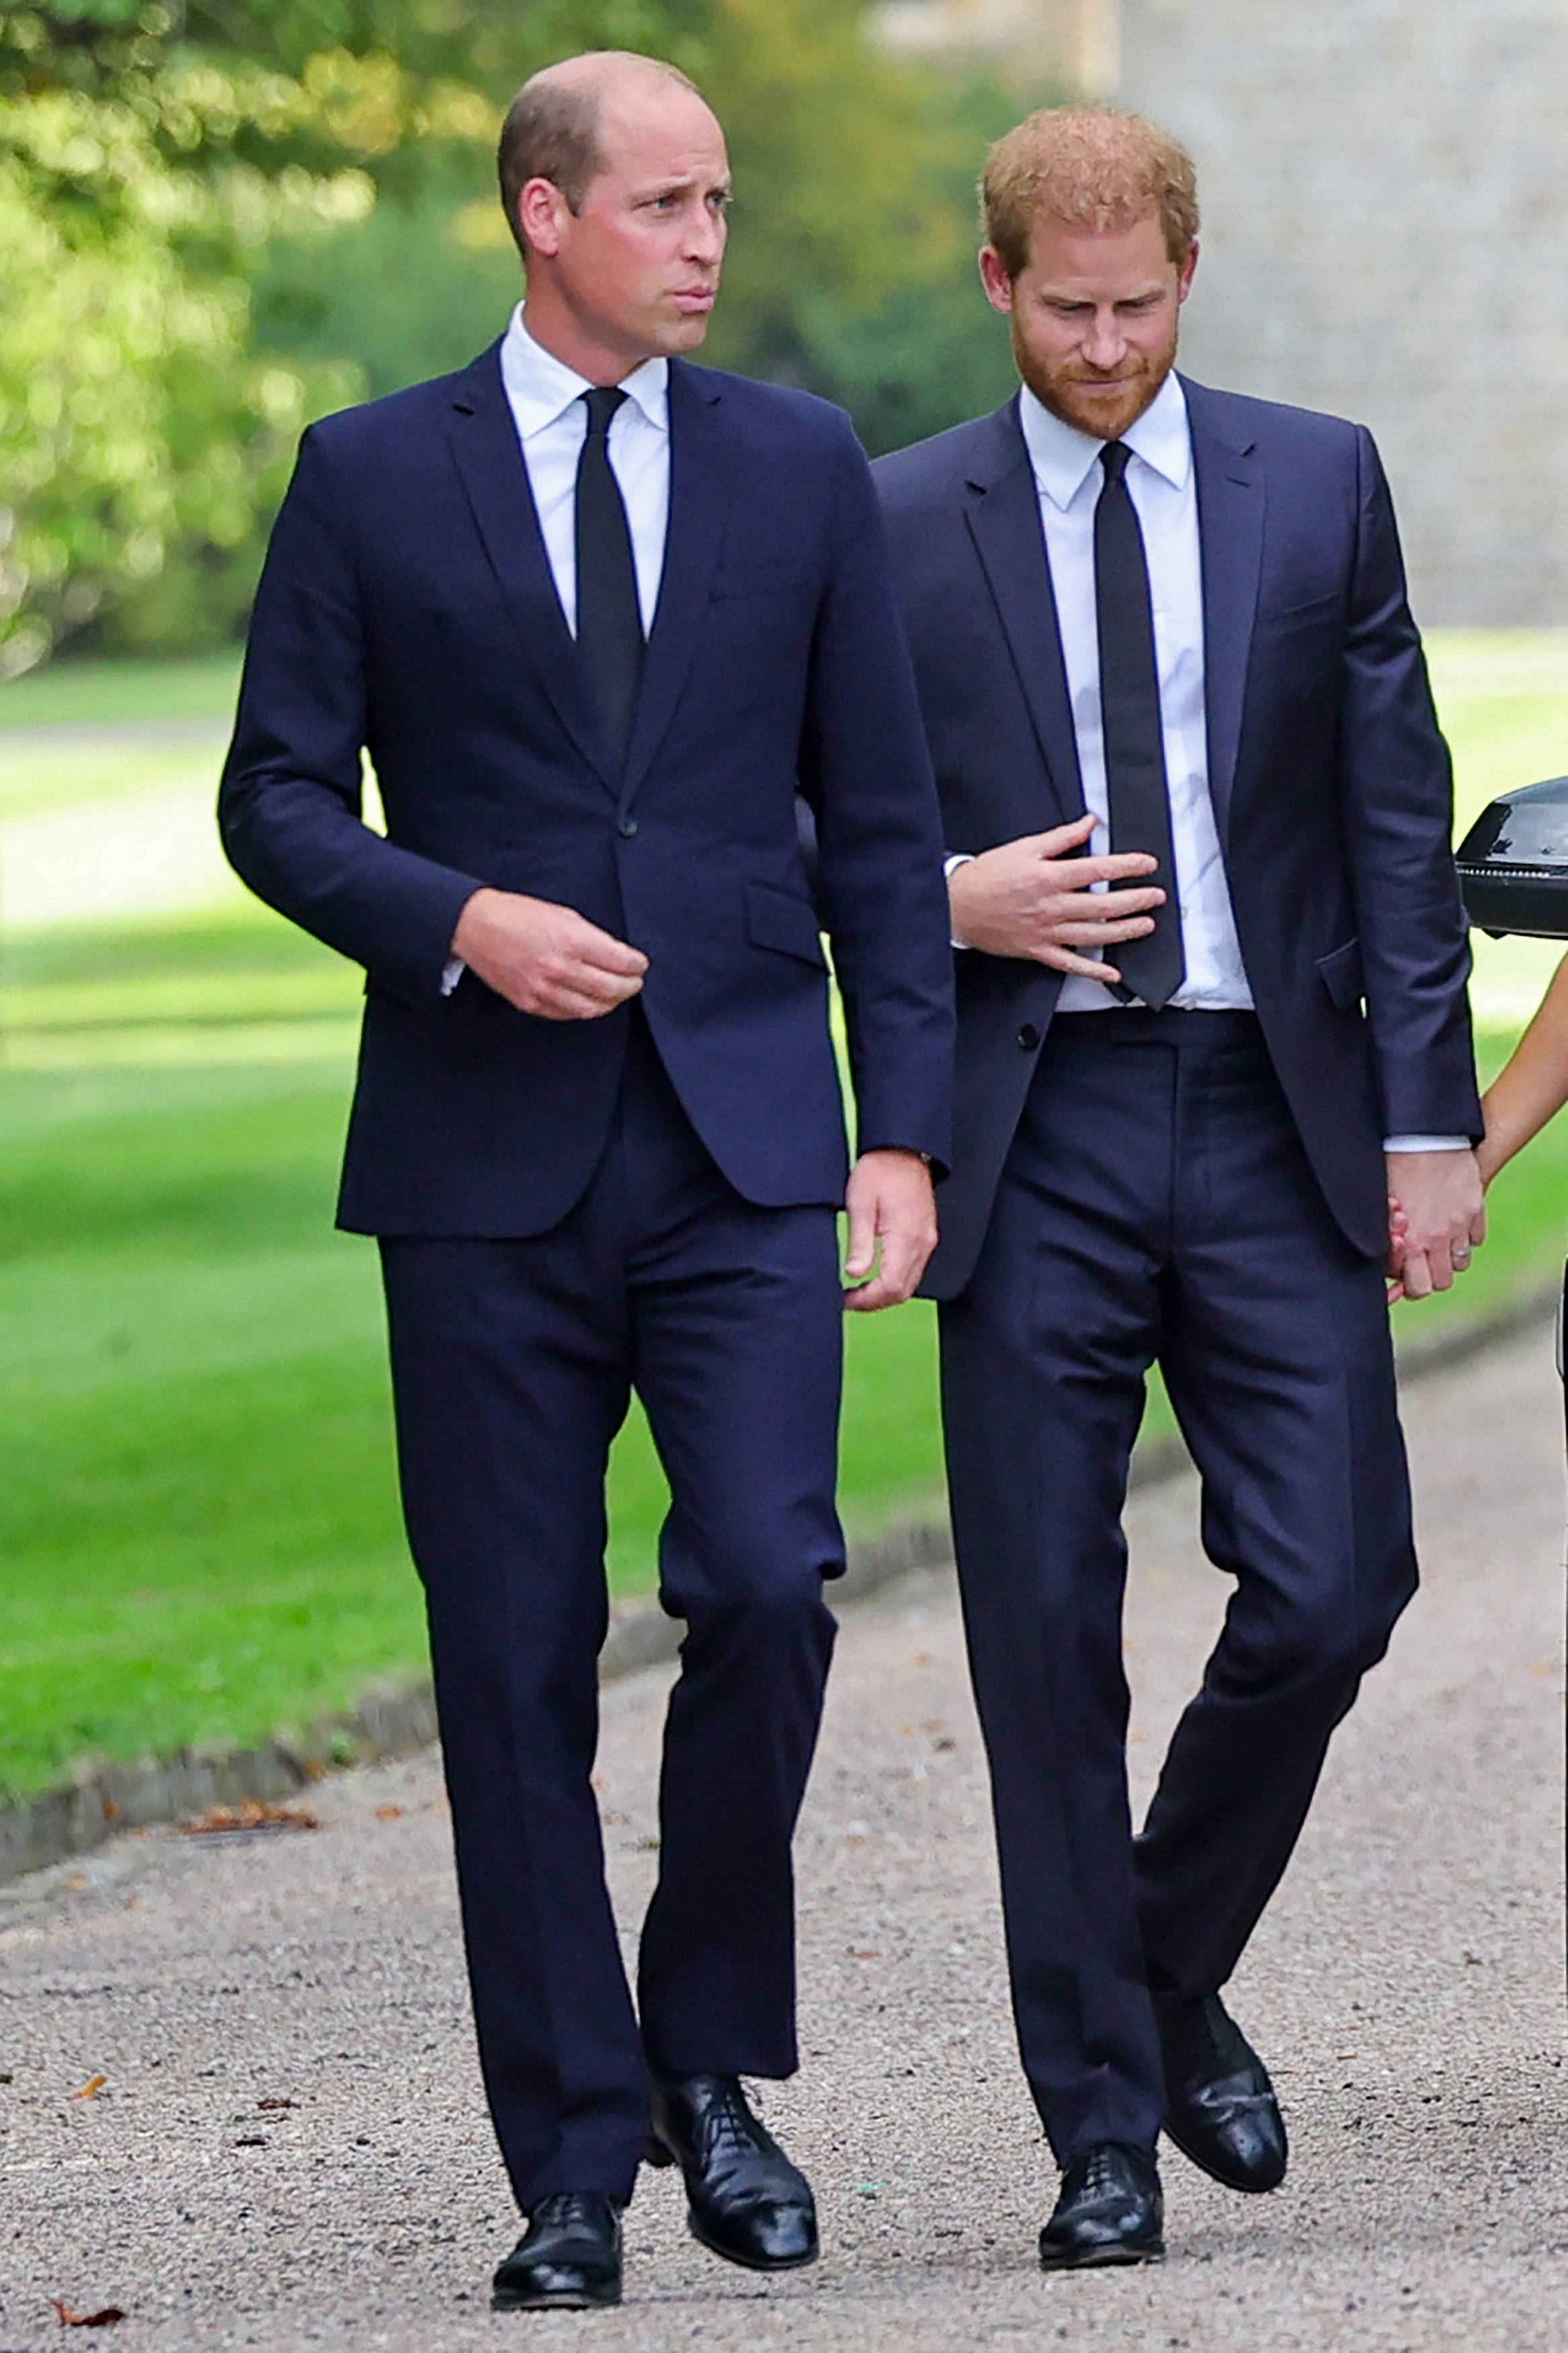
point(1071, 42)
point(1385, 196)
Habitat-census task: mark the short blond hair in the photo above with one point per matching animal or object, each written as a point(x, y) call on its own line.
point(1093, 168)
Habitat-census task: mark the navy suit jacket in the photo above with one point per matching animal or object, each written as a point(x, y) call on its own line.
point(1330, 778)
point(407, 607)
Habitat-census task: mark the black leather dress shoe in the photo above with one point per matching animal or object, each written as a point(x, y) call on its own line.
point(1109, 2211)
point(1220, 2108)
point(747, 2202)
point(568, 2259)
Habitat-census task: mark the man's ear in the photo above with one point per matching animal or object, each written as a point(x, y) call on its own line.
point(1185, 283)
point(540, 213)
point(994, 277)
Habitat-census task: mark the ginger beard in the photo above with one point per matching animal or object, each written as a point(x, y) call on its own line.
point(1103, 404)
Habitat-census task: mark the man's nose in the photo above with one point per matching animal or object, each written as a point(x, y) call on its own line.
point(705, 237)
point(1105, 343)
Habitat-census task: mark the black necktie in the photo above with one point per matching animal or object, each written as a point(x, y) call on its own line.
point(1140, 801)
point(609, 619)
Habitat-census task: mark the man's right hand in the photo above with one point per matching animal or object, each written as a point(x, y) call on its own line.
point(1032, 898)
point(546, 959)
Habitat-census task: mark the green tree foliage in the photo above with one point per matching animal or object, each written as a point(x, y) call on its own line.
point(141, 432)
point(217, 220)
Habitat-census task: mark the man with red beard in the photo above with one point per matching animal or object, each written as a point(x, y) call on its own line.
point(1211, 971)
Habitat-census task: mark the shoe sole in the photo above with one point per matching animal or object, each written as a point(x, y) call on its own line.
point(1227, 2180)
point(1100, 2259)
point(562, 2300)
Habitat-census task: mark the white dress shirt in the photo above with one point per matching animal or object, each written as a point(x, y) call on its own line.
point(545, 397)
point(1161, 483)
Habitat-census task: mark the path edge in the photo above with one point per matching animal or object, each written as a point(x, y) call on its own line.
point(395, 1719)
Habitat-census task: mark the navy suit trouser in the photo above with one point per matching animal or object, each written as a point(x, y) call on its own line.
point(1156, 1206)
point(514, 1365)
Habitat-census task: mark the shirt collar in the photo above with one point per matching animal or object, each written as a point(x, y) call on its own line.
point(542, 388)
point(1062, 457)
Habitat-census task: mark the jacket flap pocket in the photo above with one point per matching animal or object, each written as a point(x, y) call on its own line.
point(1341, 975)
point(777, 919)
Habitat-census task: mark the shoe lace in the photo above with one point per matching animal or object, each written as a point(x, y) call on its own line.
point(566, 2209)
point(728, 2128)
point(1101, 2174)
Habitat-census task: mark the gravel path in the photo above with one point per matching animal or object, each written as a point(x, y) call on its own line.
point(288, 2149)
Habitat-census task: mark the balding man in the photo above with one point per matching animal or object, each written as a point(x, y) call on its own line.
point(597, 615)
point(1212, 1011)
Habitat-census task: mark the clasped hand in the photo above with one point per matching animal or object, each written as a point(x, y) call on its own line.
point(1032, 899)
point(1435, 1219)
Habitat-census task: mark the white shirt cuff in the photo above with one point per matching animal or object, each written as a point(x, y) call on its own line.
point(1426, 1143)
point(451, 974)
point(950, 865)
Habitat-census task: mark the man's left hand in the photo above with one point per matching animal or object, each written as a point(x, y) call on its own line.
point(892, 1227)
point(1440, 1220)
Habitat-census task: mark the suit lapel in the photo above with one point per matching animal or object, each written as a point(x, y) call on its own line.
point(1003, 519)
point(1230, 535)
point(698, 502)
point(483, 439)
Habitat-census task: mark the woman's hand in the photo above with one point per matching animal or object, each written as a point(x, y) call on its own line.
point(1398, 1234)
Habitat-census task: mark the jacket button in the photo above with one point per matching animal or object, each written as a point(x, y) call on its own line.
point(628, 827)
point(1028, 1036)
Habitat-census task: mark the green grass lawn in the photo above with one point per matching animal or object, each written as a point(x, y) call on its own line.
point(197, 1511)
point(197, 1518)
point(121, 693)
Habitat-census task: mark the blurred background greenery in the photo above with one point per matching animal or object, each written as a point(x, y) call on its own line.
point(198, 1523)
point(216, 221)
point(219, 220)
